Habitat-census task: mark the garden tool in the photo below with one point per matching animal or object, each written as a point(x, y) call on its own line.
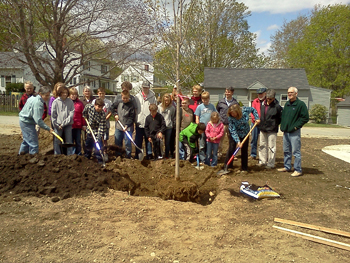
point(96, 143)
point(225, 170)
point(199, 167)
point(141, 154)
point(66, 145)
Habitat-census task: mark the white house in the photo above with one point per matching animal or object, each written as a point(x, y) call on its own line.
point(94, 73)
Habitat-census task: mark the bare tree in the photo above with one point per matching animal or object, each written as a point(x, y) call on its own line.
point(72, 32)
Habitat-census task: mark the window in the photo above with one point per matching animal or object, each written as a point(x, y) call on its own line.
point(284, 99)
point(103, 69)
point(147, 67)
point(125, 78)
point(86, 66)
point(74, 81)
point(134, 78)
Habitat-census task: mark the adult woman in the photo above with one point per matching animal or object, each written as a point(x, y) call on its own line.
point(168, 111)
point(30, 115)
point(88, 97)
point(238, 125)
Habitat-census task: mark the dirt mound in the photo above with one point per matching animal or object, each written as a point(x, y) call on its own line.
point(63, 176)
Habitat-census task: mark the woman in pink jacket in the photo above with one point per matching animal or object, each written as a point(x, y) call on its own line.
point(214, 131)
point(78, 120)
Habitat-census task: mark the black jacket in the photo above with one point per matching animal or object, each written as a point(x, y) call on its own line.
point(269, 122)
point(154, 125)
point(126, 113)
point(222, 109)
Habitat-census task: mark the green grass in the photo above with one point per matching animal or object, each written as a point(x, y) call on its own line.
point(322, 125)
point(8, 113)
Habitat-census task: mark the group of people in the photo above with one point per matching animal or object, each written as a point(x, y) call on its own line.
point(203, 126)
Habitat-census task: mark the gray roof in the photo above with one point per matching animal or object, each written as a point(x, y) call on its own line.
point(345, 103)
point(10, 60)
point(245, 78)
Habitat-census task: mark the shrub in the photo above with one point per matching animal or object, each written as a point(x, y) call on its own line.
point(14, 87)
point(108, 92)
point(318, 113)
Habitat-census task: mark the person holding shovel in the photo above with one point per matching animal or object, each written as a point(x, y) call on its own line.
point(30, 115)
point(238, 125)
point(124, 113)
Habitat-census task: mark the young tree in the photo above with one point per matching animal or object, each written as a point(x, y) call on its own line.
point(72, 32)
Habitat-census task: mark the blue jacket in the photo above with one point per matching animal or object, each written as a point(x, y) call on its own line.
point(240, 128)
point(32, 112)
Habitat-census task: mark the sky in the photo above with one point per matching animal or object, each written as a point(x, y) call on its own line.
point(267, 16)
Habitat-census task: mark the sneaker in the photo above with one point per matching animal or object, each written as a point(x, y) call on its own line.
point(261, 164)
point(269, 167)
point(252, 158)
point(160, 157)
point(283, 170)
point(296, 174)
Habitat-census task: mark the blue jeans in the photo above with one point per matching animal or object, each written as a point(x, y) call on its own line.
point(67, 132)
point(140, 136)
point(76, 135)
point(181, 151)
point(202, 147)
point(212, 148)
point(254, 141)
point(292, 146)
point(30, 143)
point(167, 139)
point(118, 140)
point(89, 146)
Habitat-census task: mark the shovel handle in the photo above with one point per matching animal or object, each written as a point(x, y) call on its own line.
point(238, 148)
point(127, 134)
point(58, 137)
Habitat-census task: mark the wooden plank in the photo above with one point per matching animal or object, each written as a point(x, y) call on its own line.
point(319, 228)
point(313, 238)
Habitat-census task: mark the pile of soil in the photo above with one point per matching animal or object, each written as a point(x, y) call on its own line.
point(61, 176)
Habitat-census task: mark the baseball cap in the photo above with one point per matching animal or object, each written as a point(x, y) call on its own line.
point(261, 90)
point(145, 84)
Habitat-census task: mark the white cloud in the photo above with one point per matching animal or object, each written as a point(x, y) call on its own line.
point(286, 6)
point(273, 27)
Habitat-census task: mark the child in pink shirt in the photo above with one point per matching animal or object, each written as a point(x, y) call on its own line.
point(214, 131)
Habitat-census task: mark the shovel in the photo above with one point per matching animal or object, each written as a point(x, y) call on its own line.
point(65, 145)
point(141, 154)
point(198, 167)
point(96, 143)
point(225, 170)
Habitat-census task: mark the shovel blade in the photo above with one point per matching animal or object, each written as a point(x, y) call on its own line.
point(141, 156)
point(223, 172)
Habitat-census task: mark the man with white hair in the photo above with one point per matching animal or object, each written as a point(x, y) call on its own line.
point(294, 116)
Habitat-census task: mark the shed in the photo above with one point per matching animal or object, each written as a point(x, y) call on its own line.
point(343, 109)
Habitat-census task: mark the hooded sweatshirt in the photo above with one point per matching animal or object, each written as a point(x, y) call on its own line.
point(62, 112)
point(143, 107)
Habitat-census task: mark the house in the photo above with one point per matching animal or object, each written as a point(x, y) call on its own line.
point(343, 109)
point(14, 71)
point(138, 73)
point(247, 81)
point(94, 72)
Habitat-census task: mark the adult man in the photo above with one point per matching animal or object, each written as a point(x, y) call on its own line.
point(256, 104)
point(294, 116)
point(30, 115)
point(144, 98)
point(222, 109)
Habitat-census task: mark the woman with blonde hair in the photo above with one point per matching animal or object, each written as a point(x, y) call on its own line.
point(196, 99)
point(88, 97)
point(238, 126)
point(167, 109)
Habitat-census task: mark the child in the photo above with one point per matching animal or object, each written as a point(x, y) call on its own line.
point(238, 125)
point(124, 111)
point(203, 113)
point(188, 137)
point(54, 93)
point(96, 117)
point(196, 99)
point(78, 120)
point(154, 129)
point(214, 131)
point(168, 111)
point(186, 114)
point(101, 92)
point(62, 112)
point(126, 85)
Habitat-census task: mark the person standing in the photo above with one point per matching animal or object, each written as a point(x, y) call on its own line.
point(256, 104)
point(144, 99)
point(294, 116)
point(30, 115)
point(270, 119)
point(203, 114)
point(88, 97)
point(196, 99)
point(222, 109)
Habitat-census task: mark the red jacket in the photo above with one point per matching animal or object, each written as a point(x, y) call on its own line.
point(78, 120)
point(256, 104)
point(214, 130)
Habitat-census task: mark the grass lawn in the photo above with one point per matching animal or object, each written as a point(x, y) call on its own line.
point(8, 113)
point(322, 125)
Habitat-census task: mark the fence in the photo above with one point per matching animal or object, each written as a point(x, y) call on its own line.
point(9, 103)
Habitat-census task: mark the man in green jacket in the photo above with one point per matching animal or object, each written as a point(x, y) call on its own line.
point(294, 116)
point(188, 138)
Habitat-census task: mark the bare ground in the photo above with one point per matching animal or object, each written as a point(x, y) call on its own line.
point(68, 209)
